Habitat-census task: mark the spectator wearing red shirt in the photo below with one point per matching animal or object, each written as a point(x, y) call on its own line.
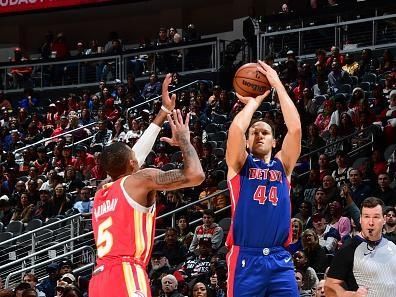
point(41, 163)
point(67, 158)
point(162, 158)
point(298, 91)
point(97, 171)
point(64, 122)
point(378, 163)
point(50, 116)
point(60, 47)
point(111, 112)
point(60, 110)
point(335, 55)
point(21, 73)
point(84, 161)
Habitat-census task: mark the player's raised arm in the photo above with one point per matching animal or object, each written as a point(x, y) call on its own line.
point(192, 173)
point(145, 143)
point(291, 146)
point(236, 143)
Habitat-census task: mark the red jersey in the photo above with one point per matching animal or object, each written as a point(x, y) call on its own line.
point(123, 228)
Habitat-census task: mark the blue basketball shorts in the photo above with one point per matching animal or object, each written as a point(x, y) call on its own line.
point(260, 272)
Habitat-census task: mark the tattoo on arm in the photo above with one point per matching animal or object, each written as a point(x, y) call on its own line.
point(189, 153)
point(169, 177)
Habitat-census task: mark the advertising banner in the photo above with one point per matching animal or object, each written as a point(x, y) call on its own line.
point(11, 6)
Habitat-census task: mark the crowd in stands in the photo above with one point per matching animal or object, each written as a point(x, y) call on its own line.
point(345, 102)
point(56, 47)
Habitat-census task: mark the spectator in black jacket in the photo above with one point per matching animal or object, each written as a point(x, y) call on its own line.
point(384, 191)
point(172, 248)
point(45, 207)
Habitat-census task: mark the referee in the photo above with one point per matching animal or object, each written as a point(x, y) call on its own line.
point(366, 266)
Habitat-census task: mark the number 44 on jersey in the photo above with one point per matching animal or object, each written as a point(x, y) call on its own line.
point(261, 195)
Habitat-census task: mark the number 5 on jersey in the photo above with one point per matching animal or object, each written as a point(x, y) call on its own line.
point(105, 238)
point(261, 196)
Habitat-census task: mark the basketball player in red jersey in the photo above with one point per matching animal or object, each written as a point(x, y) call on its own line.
point(124, 213)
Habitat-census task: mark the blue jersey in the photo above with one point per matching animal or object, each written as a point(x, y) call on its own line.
point(261, 209)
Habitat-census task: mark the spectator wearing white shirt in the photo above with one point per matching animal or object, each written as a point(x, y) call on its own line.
point(85, 204)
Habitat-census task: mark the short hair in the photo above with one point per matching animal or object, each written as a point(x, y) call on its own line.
point(115, 157)
point(31, 275)
point(28, 291)
point(372, 202)
point(341, 153)
point(209, 212)
point(171, 277)
point(70, 288)
point(299, 271)
point(22, 287)
point(256, 120)
point(356, 169)
point(389, 209)
point(171, 229)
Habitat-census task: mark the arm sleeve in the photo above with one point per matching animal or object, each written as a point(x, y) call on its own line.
point(217, 238)
point(145, 143)
point(342, 263)
point(331, 244)
point(194, 242)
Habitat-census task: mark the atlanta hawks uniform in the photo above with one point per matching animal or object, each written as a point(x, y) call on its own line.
point(124, 233)
point(258, 263)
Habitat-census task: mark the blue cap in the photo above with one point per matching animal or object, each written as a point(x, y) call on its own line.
point(52, 267)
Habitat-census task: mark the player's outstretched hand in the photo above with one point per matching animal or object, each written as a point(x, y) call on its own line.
point(180, 129)
point(167, 101)
point(270, 73)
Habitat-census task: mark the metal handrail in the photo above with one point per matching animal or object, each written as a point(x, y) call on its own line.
point(310, 28)
point(46, 262)
point(91, 232)
point(159, 96)
point(53, 137)
point(336, 25)
point(349, 154)
point(170, 48)
point(191, 204)
point(338, 141)
point(44, 250)
point(199, 219)
point(54, 62)
point(93, 123)
point(119, 61)
point(41, 228)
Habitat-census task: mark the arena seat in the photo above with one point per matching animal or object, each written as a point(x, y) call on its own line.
point(15, 227)
point(33, 224)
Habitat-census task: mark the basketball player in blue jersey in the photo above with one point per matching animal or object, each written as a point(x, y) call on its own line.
point(259, 184)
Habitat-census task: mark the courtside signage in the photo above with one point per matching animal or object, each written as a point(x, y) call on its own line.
point(10, 6)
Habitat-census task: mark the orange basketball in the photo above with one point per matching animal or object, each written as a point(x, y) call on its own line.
point(248, 81)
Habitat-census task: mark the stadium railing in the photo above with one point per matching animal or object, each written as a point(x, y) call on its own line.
point(69, 234)
point(353, 152)
point(350, 36)
point(188, 58)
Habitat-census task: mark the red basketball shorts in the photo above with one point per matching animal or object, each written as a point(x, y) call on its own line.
point(123, 279)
